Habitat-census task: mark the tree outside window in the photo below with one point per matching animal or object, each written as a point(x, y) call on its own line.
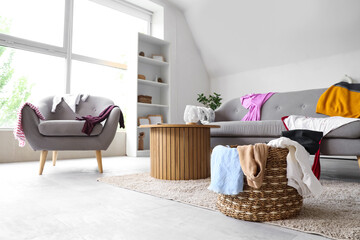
point(13, 91)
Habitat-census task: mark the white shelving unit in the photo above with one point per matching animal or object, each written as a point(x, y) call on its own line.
point(159, 91)
point(150, 61)
point(148, 105)
point(151, 83)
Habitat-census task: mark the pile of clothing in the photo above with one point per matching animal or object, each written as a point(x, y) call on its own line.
point(230, 165)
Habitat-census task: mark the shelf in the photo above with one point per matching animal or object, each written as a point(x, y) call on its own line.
point(152, 83)
point(160, 92)
point(152, 40)
point(152, 105)
point(152, 61)
point(143, 153)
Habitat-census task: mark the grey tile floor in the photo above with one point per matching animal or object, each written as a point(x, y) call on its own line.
point(67, 202)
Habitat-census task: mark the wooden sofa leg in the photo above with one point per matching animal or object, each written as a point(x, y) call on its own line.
point(358, 158)
point(99, 160)
point(54, 157)
point(43, 156)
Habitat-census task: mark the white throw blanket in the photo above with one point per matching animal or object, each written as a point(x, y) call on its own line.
point(299, 172)
point(324, 125)
point(71, 99)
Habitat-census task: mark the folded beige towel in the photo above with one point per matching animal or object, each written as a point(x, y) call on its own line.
point(253, 162)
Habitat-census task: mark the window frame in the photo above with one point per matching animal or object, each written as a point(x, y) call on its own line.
point(66, 50)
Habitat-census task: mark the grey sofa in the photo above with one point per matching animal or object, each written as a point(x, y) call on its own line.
point(344, 141)
point(61, 132)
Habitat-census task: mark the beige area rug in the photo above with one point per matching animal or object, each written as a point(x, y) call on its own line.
point(335, 214)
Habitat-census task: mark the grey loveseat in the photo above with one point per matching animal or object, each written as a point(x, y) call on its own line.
point(344, 141)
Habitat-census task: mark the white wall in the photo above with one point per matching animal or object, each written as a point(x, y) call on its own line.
point(188, 73)
point(241, 35)
point(278, 45)
point(316, 73)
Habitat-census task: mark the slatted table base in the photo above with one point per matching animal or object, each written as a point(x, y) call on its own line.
point(180, 153)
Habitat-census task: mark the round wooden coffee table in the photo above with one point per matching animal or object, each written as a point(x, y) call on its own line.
point(180, 151)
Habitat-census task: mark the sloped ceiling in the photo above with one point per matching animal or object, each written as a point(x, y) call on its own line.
point(239, 35)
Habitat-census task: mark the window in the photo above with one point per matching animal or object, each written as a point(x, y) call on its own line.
point(91, 38)
point(26, 19)
point(25, 75)
point(64, 46)
point(92, 79)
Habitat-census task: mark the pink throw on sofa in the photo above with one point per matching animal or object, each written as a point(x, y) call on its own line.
point(254, 102)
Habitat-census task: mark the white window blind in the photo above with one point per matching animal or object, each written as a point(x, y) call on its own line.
point(128, 8)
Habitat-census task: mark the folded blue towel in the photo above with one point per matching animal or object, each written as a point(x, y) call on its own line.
point(226, 174)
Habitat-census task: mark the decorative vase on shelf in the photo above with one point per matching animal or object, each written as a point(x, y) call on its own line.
point(141, 141)
point(191, 114)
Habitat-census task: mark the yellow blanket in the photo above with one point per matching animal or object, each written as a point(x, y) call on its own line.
point(341, 99)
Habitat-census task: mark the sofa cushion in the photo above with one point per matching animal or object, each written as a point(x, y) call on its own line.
point(273, 128)
point(66, 128)
point(350, 130)
point(266, 128)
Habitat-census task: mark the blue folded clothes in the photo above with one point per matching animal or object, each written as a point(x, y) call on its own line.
point(226, 174)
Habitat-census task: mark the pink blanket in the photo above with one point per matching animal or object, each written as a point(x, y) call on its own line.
point(254, 102)
point(18, 130)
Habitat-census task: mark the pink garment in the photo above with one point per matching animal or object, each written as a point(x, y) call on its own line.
point(254, 102)
point(18, 130)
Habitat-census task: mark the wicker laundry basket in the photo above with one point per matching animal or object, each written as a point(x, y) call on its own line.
point(274, 200)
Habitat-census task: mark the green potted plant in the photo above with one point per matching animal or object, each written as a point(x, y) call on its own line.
point(213, 101)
